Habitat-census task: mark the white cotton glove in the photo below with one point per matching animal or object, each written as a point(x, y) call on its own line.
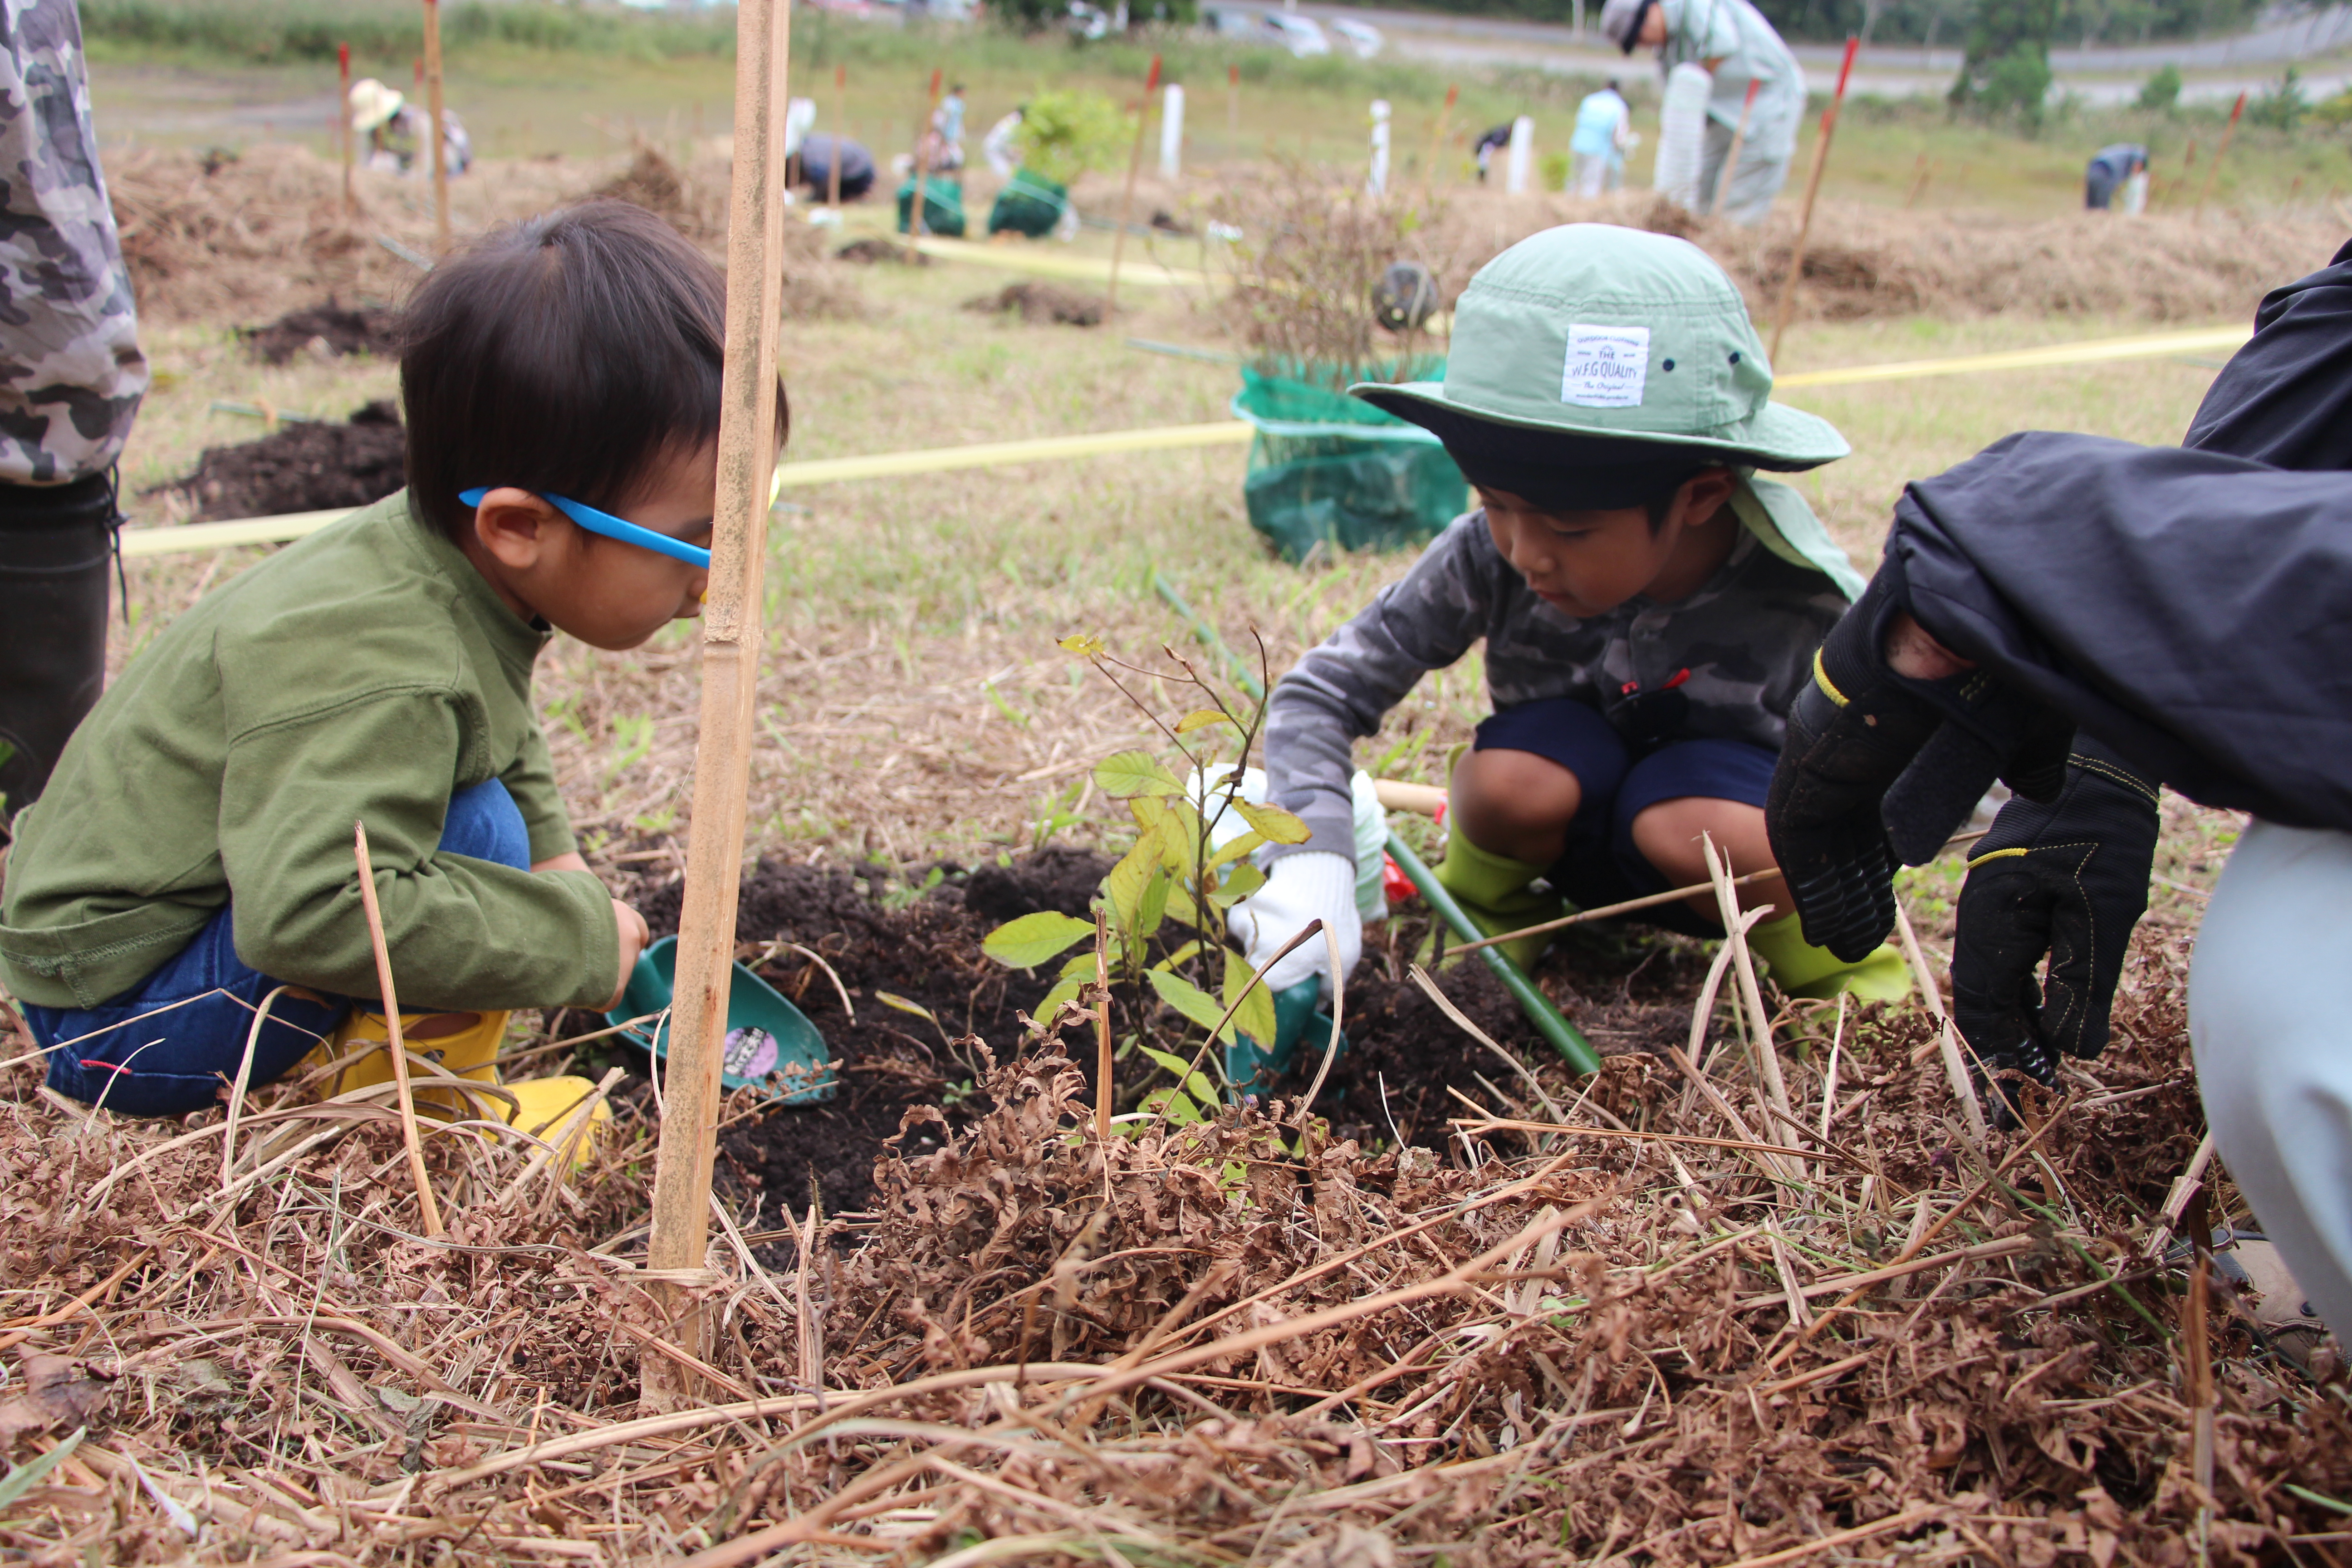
point(1315, 884)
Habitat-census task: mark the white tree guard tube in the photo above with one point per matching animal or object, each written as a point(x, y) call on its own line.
point(1378, 181)
point(1682, 133)
point(1523, 155)
point(1171, 131)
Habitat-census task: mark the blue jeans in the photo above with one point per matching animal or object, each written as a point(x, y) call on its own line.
point(144, 1062)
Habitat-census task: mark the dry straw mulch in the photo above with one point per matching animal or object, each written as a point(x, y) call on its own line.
point(249, 237)
point(1578, 1334)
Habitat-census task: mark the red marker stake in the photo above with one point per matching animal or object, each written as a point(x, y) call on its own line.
point(343, 121)
point(1127, 202)
point(1813, 189)
point(2220, 152)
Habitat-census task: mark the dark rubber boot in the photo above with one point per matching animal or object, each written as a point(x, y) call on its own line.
point(56, 543)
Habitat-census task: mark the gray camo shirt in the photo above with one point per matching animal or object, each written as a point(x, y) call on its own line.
point(1747, 637)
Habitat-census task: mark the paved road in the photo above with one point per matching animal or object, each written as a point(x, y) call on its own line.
point(2220, 68)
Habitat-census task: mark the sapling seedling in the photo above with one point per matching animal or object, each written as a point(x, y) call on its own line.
point(1164, 902)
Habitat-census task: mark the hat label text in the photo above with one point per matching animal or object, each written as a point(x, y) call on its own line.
point(1606, 366)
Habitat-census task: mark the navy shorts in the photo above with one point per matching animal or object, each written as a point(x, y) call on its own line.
point(1600, 865)
point(168, 1045)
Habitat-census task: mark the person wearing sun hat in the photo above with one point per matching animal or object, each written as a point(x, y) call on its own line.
point(1650, 606)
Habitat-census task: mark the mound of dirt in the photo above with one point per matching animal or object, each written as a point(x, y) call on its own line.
point(1038, 302)
point(920, 985)
point(310, 465)
point(327, 330)
point(866, 252)
point(656, 184)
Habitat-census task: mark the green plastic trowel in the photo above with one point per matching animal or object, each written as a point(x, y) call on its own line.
point(771, 1045)
point(1252, 1069)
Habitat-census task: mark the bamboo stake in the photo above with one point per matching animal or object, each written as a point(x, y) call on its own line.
point(1738, 145)
point(2214, 168)
point(1813, 189)
point(343, 121)
point(731, 630)
point(427, 1207)
point(1234, 103)
point(915, 227)
point(1437, 141)
point(1127, 201)
point(840, 134)
point(433, 104)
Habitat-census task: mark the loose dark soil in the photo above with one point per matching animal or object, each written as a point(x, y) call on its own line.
point(327, 330)
point(871, 251)
point(1628, 989)
point(312, 466)
point(1038, 302)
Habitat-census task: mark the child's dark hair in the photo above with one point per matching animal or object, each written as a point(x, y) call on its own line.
point(569, 355)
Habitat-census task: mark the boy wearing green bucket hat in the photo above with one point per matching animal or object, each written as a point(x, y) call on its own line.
point(1650, 609)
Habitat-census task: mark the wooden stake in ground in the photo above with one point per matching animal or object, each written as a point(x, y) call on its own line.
point(1813, 189)
point(2214, 168)
point(1919, 183)
point(731, 628)
point(1437, 141)
point(840, 134)
point(1127, 201)
point(1233, 103)
point(432, 131)
point(1738, 145)
point(343, 121)
point(428, 1209)
point(915, 225)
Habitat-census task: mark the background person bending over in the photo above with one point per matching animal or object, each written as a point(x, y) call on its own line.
point(1737, 46)
point(2120, 169)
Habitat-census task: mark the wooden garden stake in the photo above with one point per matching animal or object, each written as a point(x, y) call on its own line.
point(1813, 189)
point(731, 628)
point(1127, 201)
point(343, 121)
point(432, 131)
point(840, 134)
point(922, 170)
point(1234, 103)
point(2214, 168)
point(1102, 1028)
point(1738, 144)
point(427, 1208)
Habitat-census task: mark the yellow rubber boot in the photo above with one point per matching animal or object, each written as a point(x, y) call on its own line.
point(469, 1053)
point(544, 1108)
point(1803, 970)
point(1495, 892)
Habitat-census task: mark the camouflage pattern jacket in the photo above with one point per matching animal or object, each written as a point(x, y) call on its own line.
point(1746, 640)
point(71, 374)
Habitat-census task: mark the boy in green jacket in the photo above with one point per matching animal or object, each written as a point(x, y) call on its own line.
point(193, 852)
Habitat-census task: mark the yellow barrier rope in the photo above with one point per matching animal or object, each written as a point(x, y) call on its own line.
point(139, 543)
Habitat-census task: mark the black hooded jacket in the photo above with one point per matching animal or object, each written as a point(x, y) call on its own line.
point(2190, 607)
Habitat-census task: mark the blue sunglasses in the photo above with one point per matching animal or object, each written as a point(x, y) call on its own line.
point(610, 527)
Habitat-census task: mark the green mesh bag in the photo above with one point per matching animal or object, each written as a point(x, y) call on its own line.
point(1031, 204)
point(943, 206)
point(1330, 472)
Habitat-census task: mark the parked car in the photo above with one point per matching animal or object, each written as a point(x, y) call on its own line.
point(1363, 39)
point(1299, 34)
point(1088, 21)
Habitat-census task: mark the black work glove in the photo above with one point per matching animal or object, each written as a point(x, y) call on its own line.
point(2068, 879)
point(1853, 733)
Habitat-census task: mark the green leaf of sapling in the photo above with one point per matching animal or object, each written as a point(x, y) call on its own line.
point(1278, 826)
point(1201, 719)
point(1195, 1084)
point(1255, 1017)
point(1126, 773)
point(1238, 884)
point(1030, 941)
point(1188, 999)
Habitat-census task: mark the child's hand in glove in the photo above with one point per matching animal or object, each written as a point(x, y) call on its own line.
point(1314, 884)
point(2068, 881)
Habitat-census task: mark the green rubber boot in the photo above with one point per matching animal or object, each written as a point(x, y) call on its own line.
point(1494, 892)
point(1803, 970)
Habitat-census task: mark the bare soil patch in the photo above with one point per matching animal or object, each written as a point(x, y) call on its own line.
point(1038, 303)
point(327, 331)
point(309, 465)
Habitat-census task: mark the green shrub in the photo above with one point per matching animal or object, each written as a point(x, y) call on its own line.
point(2161, 91)
point(2282, 105)
point(1065, 132)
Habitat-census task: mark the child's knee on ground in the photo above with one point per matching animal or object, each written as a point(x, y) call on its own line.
point(1672, 836)
point(1515, 803)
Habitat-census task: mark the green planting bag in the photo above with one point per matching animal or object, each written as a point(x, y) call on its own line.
point(1030, 204)
point(943, 206)
point(1331, 471)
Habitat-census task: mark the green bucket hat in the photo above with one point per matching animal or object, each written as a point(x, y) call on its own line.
point(1597, 332)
